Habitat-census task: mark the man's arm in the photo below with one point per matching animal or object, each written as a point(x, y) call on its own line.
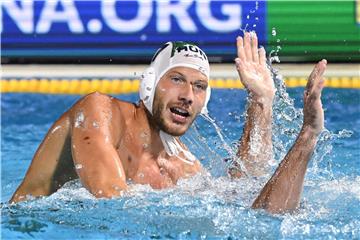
point(255, 145)
point(95, 130)
point(282, 192)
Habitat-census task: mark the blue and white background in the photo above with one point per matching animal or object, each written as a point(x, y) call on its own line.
point(110, 28)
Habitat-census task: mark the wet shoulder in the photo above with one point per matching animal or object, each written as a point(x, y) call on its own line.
point(127, 109)
point(130, 110)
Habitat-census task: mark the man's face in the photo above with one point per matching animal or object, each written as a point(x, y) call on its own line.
point(179, 98)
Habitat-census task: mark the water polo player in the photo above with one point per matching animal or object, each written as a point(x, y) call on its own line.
point(106, 142)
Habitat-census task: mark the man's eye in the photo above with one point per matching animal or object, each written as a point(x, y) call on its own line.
point(176, 79)
point(200, 87)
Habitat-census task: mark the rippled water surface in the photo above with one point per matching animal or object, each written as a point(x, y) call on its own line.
point(206, 206)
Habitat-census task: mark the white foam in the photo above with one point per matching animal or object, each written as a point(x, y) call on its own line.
point(342, 186)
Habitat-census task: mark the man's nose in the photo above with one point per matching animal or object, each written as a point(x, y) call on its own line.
point(187, 94)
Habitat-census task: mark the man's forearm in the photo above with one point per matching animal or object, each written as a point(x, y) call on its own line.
point(255, 147)
point(283, 191)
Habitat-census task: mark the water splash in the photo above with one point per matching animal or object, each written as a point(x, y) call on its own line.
point(287, 120)
point(220, 134)
point(287, 123)
point(210, 150)
point(232, 156)
point(274, 53)
point(251, 14)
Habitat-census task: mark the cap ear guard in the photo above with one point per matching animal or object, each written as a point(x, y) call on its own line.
point(147, 87)
point(204, 110)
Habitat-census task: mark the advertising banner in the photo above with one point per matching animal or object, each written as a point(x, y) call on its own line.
point(132, 30)
point(125, 29)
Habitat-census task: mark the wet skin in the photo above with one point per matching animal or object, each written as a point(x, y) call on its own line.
point(106, 142)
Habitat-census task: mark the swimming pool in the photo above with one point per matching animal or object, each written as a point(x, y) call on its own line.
point(203, 207)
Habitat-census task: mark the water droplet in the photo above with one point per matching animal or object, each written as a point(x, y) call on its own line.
point(79, 119)
point(275, 59)
point(78, 166)
point(273, 32)
point(55, 129)
point(248, 16)
point(95, 124)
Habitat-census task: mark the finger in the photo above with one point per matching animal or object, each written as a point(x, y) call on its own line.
point(239, 64)
point(240, 48)
point(318, 88)
point(262, 56)
point(319, 70)
point(316, 75)
point(240, 68)
point(315, 93)
point(247, 46)
point(254, 47)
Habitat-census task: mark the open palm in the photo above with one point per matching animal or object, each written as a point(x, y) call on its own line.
point(252, 68)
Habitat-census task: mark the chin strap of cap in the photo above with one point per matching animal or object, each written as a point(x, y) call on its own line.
point(173, 148)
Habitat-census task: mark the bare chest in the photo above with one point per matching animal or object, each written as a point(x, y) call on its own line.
point(142, 166)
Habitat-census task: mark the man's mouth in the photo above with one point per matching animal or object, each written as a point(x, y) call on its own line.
point(180, 111)
point(179, 114)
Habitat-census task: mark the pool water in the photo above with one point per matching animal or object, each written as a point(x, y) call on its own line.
point(208, 206)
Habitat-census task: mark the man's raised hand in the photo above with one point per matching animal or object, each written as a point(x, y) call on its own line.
point(313, 111)
point(252, 68)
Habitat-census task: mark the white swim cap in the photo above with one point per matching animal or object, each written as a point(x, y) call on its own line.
point(171, 55)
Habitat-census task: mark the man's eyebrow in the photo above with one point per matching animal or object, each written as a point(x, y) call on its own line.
point(201, 80)
point(176, 72)
point(183, 75)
